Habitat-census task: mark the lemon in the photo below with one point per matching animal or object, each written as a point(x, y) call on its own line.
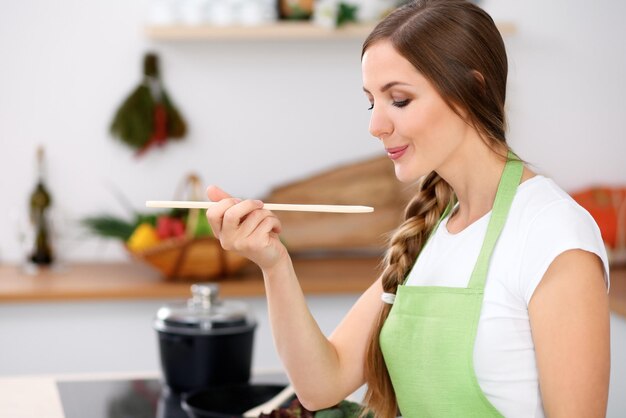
point(143, 237)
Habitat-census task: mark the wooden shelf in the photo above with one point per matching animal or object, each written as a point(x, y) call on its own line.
point(106, 281)
point(278, 31)
point(281, 30)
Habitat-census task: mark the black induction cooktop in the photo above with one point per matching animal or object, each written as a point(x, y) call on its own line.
point(132, 398)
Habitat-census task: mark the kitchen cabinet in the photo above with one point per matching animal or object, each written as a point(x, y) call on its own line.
point(285, 30)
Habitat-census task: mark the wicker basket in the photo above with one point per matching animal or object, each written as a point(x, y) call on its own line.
point(190, 258)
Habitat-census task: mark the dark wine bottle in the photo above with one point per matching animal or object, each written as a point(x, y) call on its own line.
point(40, 202)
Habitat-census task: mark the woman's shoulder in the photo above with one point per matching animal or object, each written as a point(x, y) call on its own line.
point(545, 216)
point(541, 201)
point(544, 222)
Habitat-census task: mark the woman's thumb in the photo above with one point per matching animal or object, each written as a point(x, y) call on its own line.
point(215, 194)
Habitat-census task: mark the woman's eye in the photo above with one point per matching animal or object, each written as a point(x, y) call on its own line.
point(371, 106)
point(401, 103)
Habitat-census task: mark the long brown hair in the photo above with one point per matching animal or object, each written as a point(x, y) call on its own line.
point(458, 48)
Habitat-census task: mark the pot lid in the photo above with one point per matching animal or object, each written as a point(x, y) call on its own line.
point(203, 313)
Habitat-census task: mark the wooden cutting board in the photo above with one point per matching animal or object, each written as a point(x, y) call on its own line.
point(371, 183)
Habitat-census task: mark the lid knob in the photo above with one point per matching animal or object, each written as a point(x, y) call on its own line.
point(204, 314)
point(204, 295)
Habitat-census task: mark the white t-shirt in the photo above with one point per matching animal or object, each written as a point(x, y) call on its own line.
point(543, 222)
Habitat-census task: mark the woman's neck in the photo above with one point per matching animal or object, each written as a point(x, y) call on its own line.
point(474, 174)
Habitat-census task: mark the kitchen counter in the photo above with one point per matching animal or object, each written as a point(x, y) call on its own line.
point(59, 396)
point(115, 281)
point(27, 397)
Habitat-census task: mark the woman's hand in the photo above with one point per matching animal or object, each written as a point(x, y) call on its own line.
point(246, 228)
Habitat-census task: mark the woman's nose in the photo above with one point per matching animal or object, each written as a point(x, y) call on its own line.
point(380, 125)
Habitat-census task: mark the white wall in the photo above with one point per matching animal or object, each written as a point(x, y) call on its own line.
point(265, 113)
point(566, 92)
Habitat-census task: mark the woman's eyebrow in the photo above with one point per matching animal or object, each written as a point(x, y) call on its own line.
point(387, 86)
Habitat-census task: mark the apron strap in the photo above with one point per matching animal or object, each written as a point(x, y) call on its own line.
point(504, 198)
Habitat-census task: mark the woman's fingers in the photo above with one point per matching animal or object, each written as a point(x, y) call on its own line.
point(255, 222)
point(215, 214)
point(263, 245)
point(239, 221)
point(215, 194)
point(269, 225)
point(236, 214)
point(244, 226)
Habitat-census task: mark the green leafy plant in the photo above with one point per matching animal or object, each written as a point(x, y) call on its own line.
point(109, 226)
point(346, 13)
point(148, 117)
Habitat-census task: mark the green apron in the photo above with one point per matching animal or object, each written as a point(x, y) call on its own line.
point(428, 338)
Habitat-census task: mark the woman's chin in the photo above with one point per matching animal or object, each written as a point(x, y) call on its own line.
point(406, 176)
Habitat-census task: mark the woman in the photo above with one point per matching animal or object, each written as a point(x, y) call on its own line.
point(493, 298)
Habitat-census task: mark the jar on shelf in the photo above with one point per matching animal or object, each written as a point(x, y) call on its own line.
point(296, 9)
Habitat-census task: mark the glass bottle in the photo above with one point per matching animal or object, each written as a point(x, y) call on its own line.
point(40, 201)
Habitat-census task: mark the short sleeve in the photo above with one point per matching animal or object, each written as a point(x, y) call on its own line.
point(561, 226)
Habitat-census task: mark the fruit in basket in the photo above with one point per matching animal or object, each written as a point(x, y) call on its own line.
point(144, 237)
point(179, 243)
point(169, 227)
point(178, 228)
point(203, 229)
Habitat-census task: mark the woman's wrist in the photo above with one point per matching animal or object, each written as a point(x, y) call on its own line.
point(283, 266)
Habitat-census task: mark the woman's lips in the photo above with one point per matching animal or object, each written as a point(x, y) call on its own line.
point(396, 152)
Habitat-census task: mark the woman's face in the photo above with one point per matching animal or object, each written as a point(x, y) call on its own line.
point(417, 128)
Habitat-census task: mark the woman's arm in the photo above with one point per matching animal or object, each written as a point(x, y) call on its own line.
point(323, 371)
point(569, 317)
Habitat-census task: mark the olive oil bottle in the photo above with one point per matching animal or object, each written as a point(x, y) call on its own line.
point(40, 202)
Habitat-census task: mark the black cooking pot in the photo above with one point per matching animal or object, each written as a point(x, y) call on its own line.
point(228, 401)
point(205, 342)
